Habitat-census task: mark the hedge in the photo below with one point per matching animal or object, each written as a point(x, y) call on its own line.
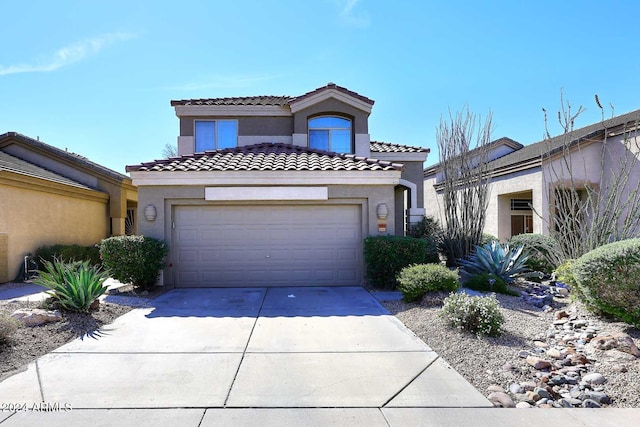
point(385, 256)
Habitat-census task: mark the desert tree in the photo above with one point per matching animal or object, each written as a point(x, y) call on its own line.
point(169, 151)
point(593, 181)
point(463, 144)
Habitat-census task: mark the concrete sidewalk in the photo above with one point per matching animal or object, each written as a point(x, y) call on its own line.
point(278, 356)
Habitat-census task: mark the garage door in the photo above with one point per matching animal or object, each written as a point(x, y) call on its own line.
point(304, 245)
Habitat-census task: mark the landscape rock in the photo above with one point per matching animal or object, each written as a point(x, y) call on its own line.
point(619, 341)
point(588, 403)
point(502, 400)
point(36, 316)
point(523, 405)
point(594, 378)
point(495, 388)
point(538, 363)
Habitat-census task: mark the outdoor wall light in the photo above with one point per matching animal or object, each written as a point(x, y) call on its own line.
point(382, 211)
point(150, 213)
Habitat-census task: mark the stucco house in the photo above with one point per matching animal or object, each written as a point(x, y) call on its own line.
point(50, 196)
point(526, 177)
point(276, 190)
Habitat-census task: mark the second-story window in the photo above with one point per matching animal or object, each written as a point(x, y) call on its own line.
point(330, 133)
point(215, 134)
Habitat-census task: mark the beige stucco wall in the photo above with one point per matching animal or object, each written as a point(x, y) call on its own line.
point(164, 198)
point(498, 220)
point(502, 189)
point(31, 218)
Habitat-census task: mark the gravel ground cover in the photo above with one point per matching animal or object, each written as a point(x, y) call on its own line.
point(501, 361)
point(29, 343)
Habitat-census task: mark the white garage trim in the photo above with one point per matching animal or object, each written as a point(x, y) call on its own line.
point(266, 193)
point(216, 178)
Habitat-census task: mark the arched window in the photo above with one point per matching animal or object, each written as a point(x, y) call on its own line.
point(330, 133)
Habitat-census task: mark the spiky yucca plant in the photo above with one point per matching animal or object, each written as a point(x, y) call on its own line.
point(500, 261)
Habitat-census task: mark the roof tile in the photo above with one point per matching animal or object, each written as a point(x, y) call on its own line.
point(266, 157)
point(387, 147)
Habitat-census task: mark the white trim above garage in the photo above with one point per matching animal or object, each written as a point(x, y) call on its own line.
point(265, 193)
point(215, 178)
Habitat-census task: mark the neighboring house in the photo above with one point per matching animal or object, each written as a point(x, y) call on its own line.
point(50, 196)
point(276, 190)
point(523, 177)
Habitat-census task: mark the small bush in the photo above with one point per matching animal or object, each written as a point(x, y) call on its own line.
point(8, 327)
point(73, 285)
point(564, 273)
point(430, 231)
point(385, 256)
point(481, 282)
point(478, 315)
point(608, 279)
point(68, 253)
point(416, 280)
point(488, 238)
point(544, 251)
point(134, 259)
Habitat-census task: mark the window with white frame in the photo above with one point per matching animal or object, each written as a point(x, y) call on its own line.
point(330, 133)
point(215, 134)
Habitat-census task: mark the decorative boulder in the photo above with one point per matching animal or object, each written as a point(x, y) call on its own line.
point(36, 316)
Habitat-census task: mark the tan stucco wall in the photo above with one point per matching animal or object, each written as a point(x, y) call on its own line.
point(165, 197)
point(413, 172)
point(31, 218)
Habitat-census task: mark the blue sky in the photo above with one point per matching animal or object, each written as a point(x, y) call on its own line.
point(96, 78)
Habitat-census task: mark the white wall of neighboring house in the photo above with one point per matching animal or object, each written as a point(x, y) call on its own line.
point(521, 184)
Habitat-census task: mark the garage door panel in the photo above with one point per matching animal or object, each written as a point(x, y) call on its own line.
point(267, 245)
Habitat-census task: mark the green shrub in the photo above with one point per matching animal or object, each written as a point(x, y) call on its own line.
point(68, 253)
point(495, 259)
point(482, 282)
point(134, 259)
point(488, 238)
point(478, 315)
point(416, 280)
point(544, 251)
point(8, 327)
point(564, 273)
point(73, 285)
point(608, 279)
point(385, 256)
point(430, 231)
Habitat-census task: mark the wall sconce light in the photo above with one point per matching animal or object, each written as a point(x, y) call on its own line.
point(382, 211)
point(150, 213)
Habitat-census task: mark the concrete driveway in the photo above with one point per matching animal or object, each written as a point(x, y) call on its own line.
point(278, 356)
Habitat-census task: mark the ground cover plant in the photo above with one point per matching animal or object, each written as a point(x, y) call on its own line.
point(475, 314)
point(416, 280)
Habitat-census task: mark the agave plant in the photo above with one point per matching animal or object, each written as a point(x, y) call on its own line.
point(500, 261)
point(73, 285)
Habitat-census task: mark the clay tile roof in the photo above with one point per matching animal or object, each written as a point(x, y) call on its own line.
point(387, 147)
point(338, 88)
point(266, 157)
point(244, 100)
point(280, 101)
